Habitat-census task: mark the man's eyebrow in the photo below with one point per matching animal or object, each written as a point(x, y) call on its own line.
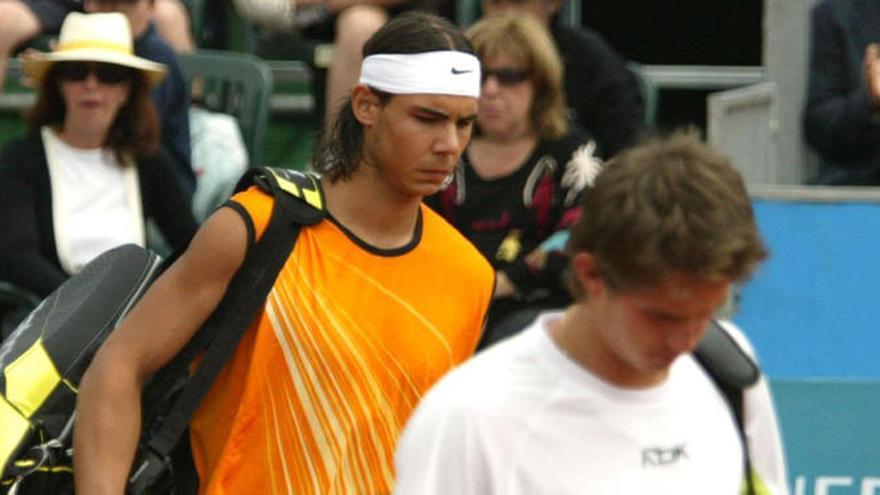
point(445, 115)
point(433, 111)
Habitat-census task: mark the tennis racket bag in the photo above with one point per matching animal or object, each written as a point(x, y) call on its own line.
point(43, 360)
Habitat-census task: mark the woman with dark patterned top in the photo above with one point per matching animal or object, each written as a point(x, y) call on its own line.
point(518, 183)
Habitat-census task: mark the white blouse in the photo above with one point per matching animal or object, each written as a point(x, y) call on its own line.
point(96, 202)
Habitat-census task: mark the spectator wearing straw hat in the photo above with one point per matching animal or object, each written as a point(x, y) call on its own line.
point(21, 20)
point(91, 170)
point(171, 96)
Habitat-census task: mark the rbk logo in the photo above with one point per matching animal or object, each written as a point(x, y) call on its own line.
point(657, 456)
point(461, 71)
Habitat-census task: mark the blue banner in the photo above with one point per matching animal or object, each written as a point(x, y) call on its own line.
point(832, 435)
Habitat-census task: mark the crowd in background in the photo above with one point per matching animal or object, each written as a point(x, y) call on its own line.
point(575, 74)
point(112, 138)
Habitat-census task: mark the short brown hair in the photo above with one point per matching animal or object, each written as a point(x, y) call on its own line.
point(671, 205)
point(524, 38)
point(134, 132)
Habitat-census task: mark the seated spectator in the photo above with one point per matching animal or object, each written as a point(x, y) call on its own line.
point(91, 170)
point(519, 180)
point(843, 95)
point(348, 23)
point(603, 95)
point(21, 20)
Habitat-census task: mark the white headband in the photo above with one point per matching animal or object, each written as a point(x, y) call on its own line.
point(443, 72)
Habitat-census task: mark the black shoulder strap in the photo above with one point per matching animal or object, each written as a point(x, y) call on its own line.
point(298, 201)
point(732, 370)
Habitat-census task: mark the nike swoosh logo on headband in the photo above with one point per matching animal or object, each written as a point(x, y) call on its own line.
point(463, 71)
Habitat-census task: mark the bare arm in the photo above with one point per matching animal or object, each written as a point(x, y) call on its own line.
point(109, 404)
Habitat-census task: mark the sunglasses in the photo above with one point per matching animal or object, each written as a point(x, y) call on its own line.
point(106, 73)
point(505, 76)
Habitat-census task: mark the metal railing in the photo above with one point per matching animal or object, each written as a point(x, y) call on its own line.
point(708, 77)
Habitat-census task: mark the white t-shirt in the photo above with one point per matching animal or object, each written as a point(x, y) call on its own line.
point(523, 418)
point(96, 203)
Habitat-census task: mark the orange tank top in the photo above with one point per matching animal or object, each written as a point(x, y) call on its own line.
point(315, 397)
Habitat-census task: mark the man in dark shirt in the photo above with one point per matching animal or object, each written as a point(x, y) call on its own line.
point(603, 95)
point(843, 96)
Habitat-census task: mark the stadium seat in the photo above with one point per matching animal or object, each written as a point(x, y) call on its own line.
point(237, 84)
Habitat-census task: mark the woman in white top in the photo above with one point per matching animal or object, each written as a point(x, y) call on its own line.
point(90, 171)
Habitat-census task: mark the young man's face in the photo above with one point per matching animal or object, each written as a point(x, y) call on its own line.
point(413, 142)
point(139, 12)
point(643, 331)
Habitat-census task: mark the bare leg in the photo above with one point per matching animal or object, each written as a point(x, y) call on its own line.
point(172, 22)
point(354, 26)
point(17, 25)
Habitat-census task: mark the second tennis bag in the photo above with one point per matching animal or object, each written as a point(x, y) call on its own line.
point(44, 358)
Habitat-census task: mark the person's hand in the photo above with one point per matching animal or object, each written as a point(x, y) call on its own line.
point(26, 81)
point(537, 259)
point(503, 286)
point(871, 66)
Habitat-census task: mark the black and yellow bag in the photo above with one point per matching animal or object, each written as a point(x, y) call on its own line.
point(42, 362)
point(44, 359)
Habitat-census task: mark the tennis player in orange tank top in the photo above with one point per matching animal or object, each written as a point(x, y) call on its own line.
point(350, 339)
point(373, 306)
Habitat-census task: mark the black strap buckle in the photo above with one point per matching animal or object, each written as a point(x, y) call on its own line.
point(148, 471)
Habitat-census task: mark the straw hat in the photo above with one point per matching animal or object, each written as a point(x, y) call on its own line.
point(94, 38)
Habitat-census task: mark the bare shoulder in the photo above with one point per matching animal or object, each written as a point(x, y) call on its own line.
point(217, 250)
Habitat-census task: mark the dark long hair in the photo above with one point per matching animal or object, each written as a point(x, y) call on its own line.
point(134, 132)
point(340, 149)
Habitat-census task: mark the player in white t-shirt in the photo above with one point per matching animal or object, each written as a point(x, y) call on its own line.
point(606, 397)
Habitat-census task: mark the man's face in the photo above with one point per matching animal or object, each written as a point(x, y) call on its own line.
point(413, 142)
point(139, 12)
point(643, 331)
point(542, 9)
